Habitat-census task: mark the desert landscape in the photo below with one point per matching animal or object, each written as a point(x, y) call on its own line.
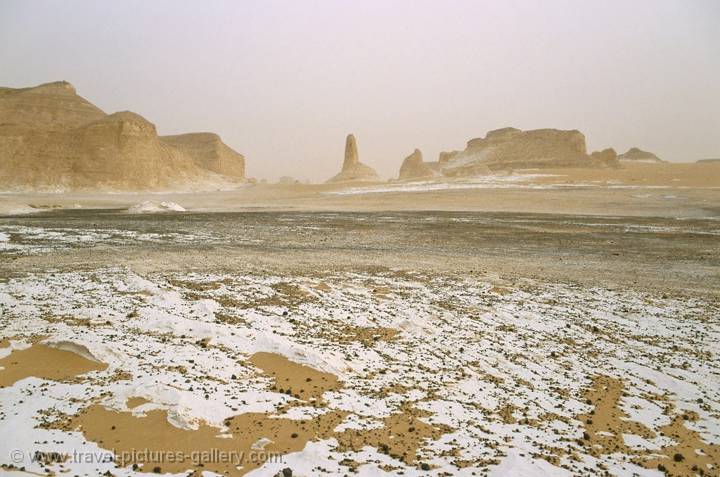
point(517, 304)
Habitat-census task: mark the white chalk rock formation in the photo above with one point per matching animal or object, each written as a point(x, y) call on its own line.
point(152, 207)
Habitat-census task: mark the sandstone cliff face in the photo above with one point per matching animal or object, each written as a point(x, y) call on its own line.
point(635, 154)
point(209, 152)
point(52, 139)
point(413, 167)
point(353, 170)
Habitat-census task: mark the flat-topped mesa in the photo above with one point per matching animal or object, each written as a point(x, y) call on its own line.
point(635, 154)
point(413, 167)
point(512, 148)
point(353, 170)
point(52, 139)
point(209, 152)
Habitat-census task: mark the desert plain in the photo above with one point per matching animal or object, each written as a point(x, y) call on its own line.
point(532, 322)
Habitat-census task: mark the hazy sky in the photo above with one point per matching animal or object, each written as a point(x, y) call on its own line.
point(283, 82)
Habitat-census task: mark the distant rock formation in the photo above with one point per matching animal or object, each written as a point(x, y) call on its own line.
point(53, 139)
point(607, 157)
point(511, 149)
point(413, 167)
point(209, 152)
point(709, 161)
point(446, 157)
point(353, 170)
point(635, 154)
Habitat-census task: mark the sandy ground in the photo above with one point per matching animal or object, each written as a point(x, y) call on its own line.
point(669, 190)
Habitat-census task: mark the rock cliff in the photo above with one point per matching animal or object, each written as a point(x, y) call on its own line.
point(119, 151)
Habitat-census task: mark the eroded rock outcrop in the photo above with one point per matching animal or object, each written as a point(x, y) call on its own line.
point(635, 154)
point(608, 157)
point(53, 139)
point(413, 167)
point(353, 170)
point(510, 149)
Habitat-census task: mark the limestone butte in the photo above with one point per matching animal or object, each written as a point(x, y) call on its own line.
point(353, 170)
point(509, 149)
point(53, 139)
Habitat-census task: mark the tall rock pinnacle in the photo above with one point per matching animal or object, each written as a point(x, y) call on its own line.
point(351, 152)
point(352, 168)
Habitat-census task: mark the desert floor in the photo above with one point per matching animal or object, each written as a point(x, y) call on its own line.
point(554, 323)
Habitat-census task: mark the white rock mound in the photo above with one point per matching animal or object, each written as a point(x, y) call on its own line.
point(152, 207)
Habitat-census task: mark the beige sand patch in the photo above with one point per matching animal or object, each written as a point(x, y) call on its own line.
point(155, 445)
point(607, 423)
point(133, 402)
point(400, 436)
point(689, 454)
point(295, 379)
point(44, 362)
point(322, 286)
point(605, 426)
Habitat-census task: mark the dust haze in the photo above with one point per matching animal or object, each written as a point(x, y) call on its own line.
point(283, 82)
